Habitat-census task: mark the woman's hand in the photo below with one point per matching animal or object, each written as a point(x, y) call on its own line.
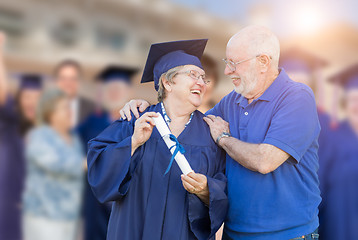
point(197, 184)
point(143, 129)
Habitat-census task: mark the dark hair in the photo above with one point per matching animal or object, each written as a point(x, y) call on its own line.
point(24, 124)
point(68, 63)
point(211, 68)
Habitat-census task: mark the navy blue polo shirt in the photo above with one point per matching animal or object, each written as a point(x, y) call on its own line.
point(282, 204)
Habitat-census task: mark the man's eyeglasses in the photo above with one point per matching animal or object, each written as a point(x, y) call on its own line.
point(196, 76)
point(232, 65)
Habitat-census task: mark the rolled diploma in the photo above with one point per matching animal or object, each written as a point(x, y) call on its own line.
point(165, 132)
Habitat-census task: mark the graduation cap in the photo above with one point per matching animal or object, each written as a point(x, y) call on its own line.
point(296, 59)
point(30, 81)
point(165, 56)
point(116, 73)
point(347, 78)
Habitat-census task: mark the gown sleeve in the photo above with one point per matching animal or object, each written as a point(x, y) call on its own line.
point(110, 165)
point(7, 110)
point(205, 221)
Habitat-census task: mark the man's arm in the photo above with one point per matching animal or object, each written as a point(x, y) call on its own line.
point(132, 107)
point(262, 158)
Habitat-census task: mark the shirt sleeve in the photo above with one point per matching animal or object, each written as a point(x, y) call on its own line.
point(216, 110)
point(41, 152)
point(294, 125)
point(224, 107)
point(205, 221)
point(109, 160)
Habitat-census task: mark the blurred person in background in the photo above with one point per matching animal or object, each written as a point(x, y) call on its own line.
point(304, 67)
point(114, 89)
point(68, 75)
point(27, 98)
point(339, 168)
point(17, 116)
point(211, 73)
point(55, 168)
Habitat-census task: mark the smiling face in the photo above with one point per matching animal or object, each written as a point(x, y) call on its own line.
point(246, 75)
point(186, 89)
point(258, 51)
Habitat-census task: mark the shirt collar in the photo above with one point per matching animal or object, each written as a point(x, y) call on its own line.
point(270, 92)
point(242, 101)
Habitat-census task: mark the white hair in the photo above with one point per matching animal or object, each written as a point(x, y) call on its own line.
point(258, 40)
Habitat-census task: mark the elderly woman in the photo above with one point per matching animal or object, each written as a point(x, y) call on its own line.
point(129, 163)
point(52, 199)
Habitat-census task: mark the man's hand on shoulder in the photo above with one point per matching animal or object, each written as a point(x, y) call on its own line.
point(217, 126)
point(133, 106)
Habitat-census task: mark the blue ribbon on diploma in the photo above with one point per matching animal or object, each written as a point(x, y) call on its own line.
point(178, 148)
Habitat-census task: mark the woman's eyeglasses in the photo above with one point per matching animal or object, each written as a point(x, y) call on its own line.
point(196, 75)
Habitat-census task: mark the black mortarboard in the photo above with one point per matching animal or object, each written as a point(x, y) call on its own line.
point(32, 81)
point(116, 73)
point(347, 78)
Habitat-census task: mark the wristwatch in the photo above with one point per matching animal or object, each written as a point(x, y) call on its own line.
point(223, 134)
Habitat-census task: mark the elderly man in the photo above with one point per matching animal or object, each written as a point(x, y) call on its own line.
point(269, 128)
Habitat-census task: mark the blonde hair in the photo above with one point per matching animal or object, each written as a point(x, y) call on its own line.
point(46, 105)
point(169, 75)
